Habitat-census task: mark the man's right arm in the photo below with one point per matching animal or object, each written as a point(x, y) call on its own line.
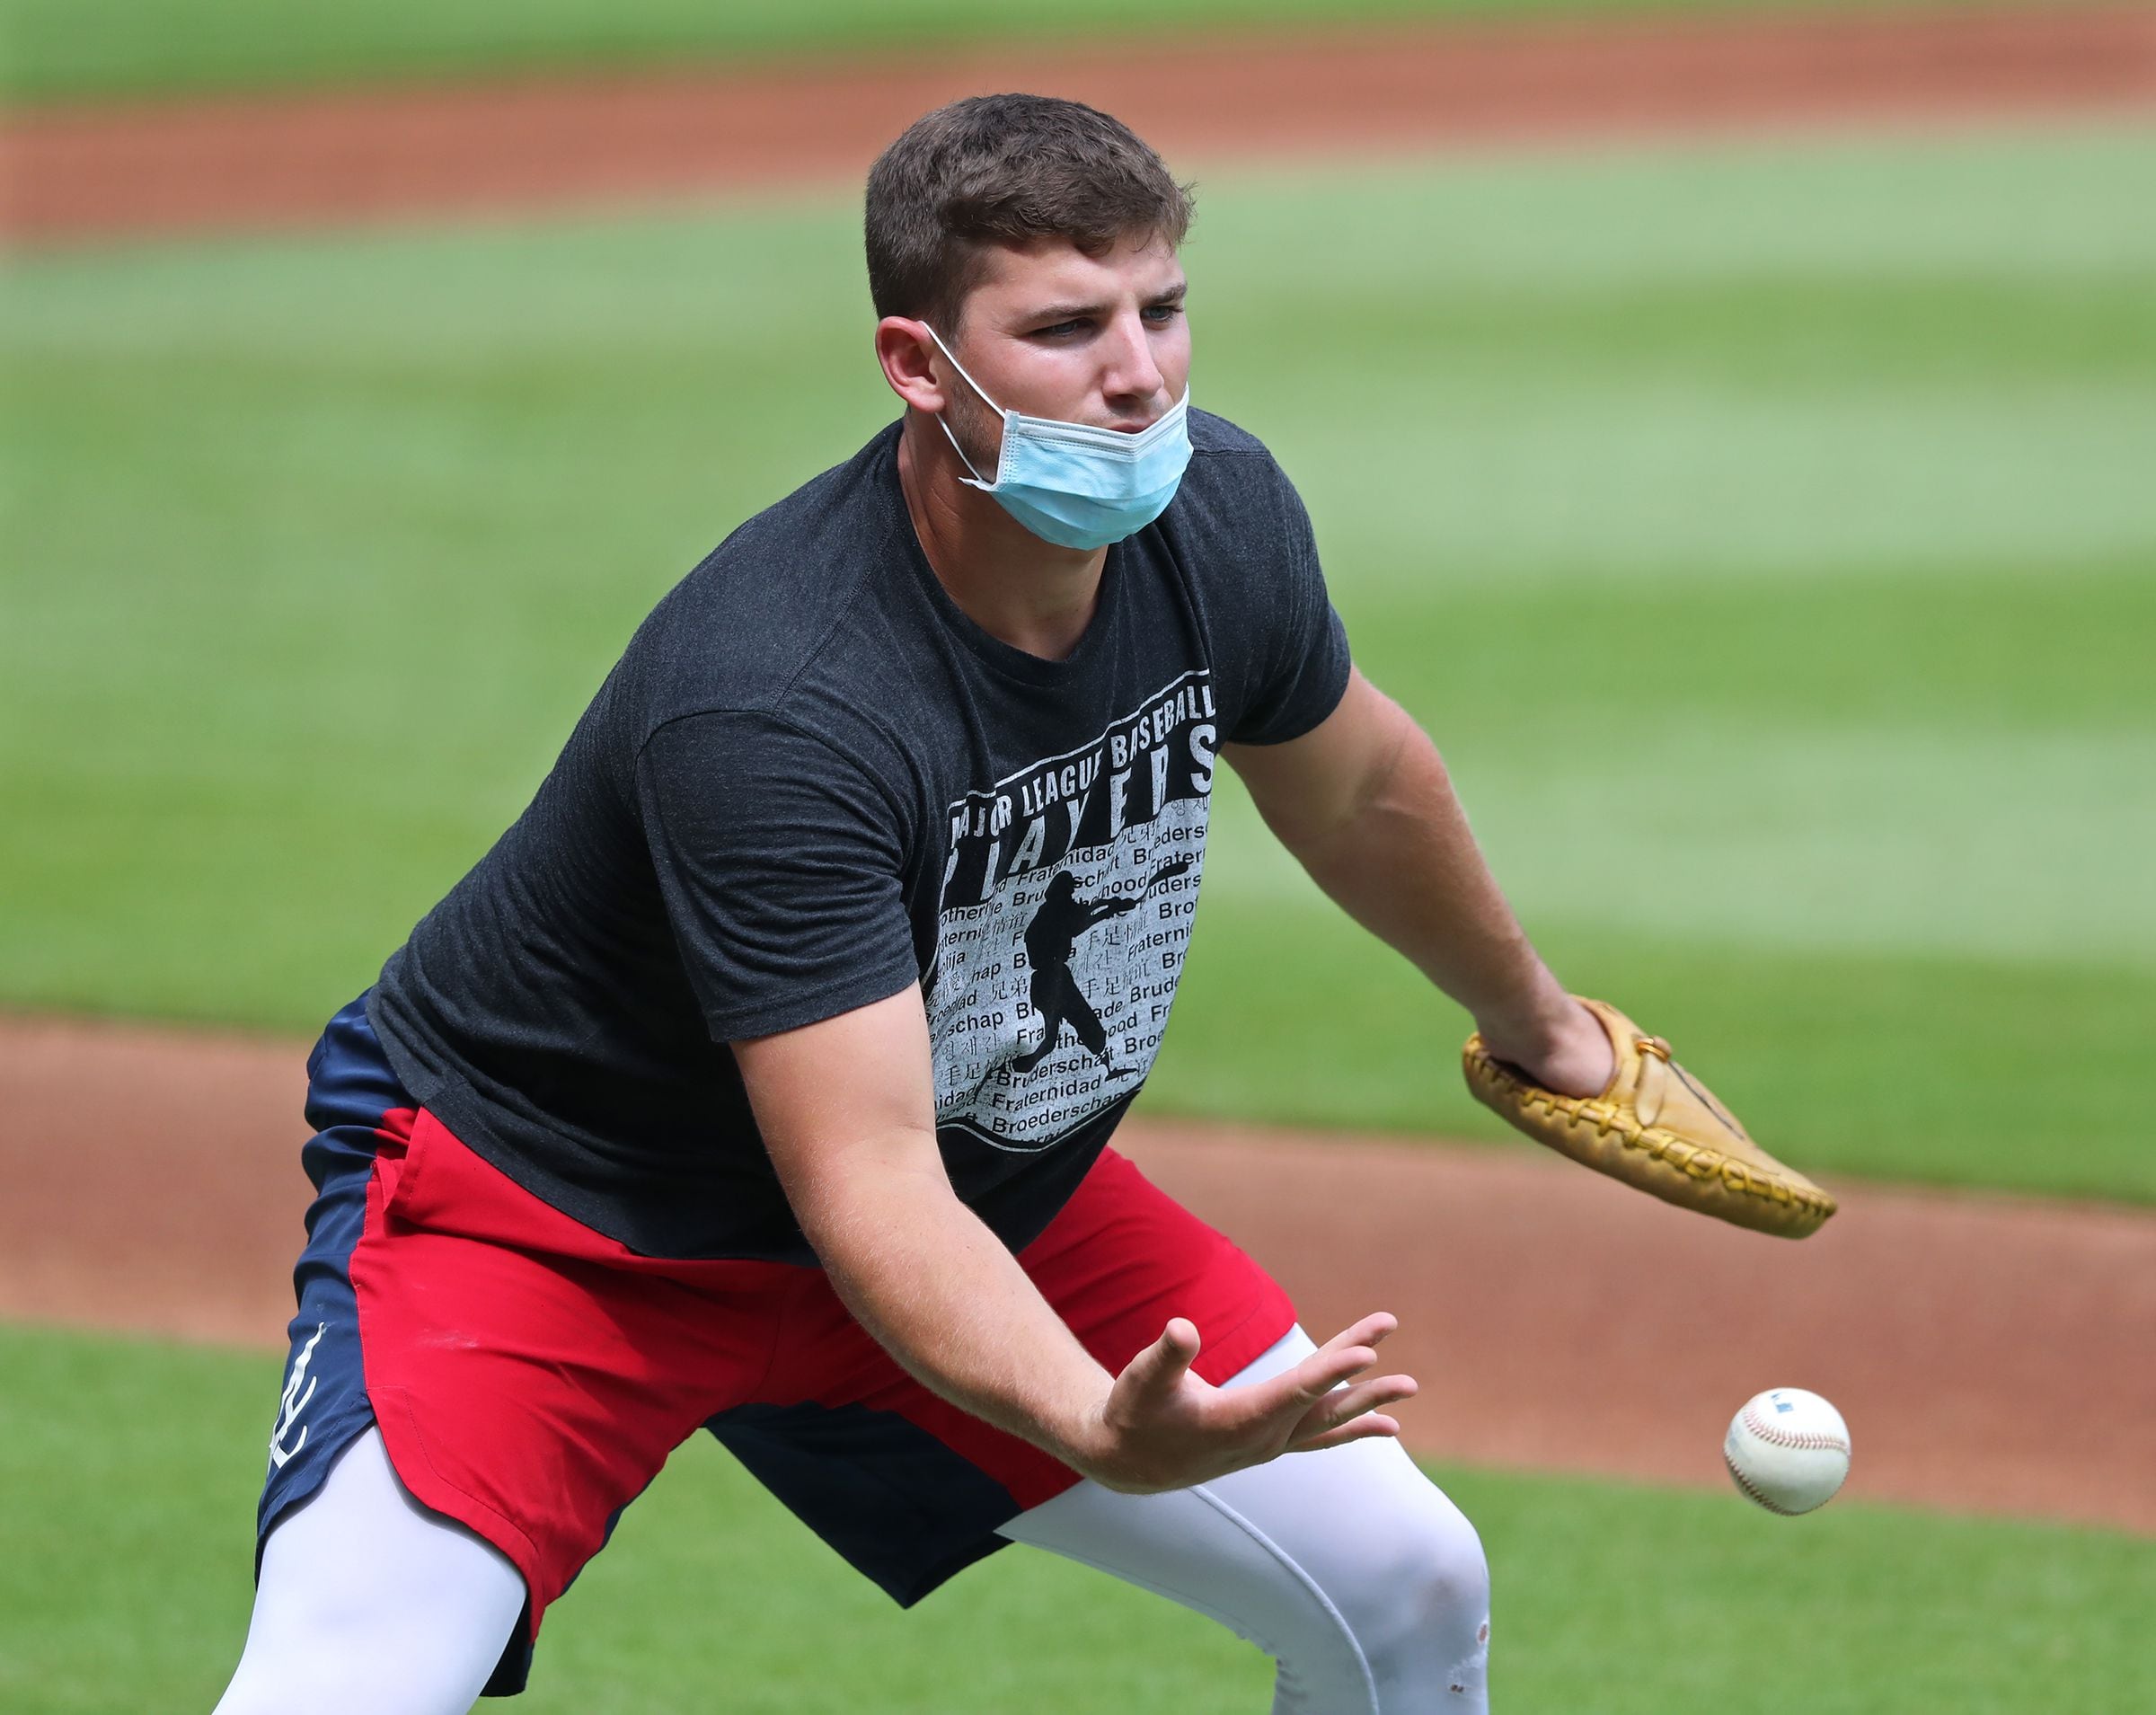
point(846, 1108)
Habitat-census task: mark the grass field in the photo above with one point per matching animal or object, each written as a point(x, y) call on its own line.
point(131, 1468)
point(1765, 535)
point(77, 47)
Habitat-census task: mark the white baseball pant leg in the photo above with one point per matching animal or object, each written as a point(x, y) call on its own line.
point(1349, 1567)
point(370, 1602)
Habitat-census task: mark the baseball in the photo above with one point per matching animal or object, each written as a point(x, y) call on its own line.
point(1788, 1450)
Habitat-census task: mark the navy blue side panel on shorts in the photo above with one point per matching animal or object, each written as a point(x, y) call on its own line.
point(351, 1091)
point(903, 1508)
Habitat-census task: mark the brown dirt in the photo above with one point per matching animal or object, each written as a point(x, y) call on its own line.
point(81, 172)
point(1987, 1350)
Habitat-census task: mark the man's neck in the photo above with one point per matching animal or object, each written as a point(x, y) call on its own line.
point(1022, 591)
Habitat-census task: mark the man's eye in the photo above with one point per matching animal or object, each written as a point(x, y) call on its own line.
point(1059, 330)
point(1163, 312)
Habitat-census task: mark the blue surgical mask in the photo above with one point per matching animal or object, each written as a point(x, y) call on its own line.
point(1077, 486)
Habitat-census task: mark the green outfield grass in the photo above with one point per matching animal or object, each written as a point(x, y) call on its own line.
point(1765, 535)
point(131, 1469)
point(76, 47)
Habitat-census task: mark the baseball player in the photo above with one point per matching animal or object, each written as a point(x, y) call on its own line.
point(761, 1079)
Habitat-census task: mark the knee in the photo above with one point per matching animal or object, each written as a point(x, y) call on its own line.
point(1431, 1578)
point(1419, 1607)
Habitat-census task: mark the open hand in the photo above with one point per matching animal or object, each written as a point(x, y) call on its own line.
point(1163, 1428)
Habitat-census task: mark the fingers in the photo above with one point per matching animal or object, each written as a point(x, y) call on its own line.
point(1160, 1369)
point(1348, 1354)
point(1368, 1331)
point(1346, 1407)
point(1349, 1403)
point(1370, 1427)
point(1321, 1372)
point(1361, 1336)
point(1308, 1398)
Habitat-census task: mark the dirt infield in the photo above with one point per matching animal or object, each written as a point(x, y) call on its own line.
point(1986, 1350)
point(77, 173)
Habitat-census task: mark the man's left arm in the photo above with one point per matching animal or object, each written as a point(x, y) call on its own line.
point(1364, 801)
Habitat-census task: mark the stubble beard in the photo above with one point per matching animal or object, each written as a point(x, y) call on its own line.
point(977, 429)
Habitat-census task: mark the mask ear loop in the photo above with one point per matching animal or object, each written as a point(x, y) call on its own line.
point(985, 487)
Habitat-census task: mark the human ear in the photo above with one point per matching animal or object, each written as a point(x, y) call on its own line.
point(905, 349)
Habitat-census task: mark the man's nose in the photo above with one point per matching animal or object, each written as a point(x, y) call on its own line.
point(1133, 375)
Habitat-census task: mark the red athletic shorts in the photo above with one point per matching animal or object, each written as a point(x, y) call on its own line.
point(530, 1376)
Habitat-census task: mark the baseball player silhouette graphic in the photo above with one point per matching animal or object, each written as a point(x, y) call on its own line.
point(1051, 938)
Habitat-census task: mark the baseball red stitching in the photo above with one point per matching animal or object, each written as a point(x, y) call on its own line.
point(1743, 1483)
point(1775, 1434)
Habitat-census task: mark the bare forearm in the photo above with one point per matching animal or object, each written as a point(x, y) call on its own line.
point(941, 1293)
point(846, 1108)
point(1392, 847)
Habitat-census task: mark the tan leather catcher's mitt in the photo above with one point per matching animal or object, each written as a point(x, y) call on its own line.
point(1658, 1127)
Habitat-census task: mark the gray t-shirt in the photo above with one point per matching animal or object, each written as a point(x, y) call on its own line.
point(810, 782)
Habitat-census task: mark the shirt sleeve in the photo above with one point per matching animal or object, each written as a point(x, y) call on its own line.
point(1300, 653)
point(780, 864)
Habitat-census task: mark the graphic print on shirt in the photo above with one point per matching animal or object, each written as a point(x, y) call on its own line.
point(1066, 908)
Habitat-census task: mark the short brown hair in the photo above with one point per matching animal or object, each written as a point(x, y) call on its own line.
point(1005, 169)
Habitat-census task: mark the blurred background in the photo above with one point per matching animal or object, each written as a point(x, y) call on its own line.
point(1731, 430)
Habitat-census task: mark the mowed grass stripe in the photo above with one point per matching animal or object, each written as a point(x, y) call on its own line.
point(1852, 1065)
point(80, 48)
point(1933, 770)
point(1751, 362)
point(132, 1469)
point(1760, 533)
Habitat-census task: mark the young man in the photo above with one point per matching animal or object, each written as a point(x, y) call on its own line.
point(761, 1077)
